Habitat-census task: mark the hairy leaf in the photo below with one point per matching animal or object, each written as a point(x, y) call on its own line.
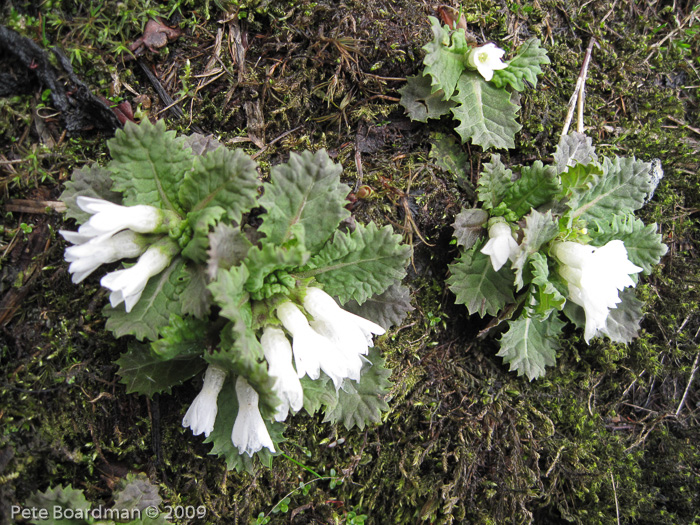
point(537, 185)
point(487, 116)
point(494, 182)
point(621, 190)
point(136, 493)
point(58, 498)
point(360, 264)
point(470, 226)
point(476, 285)
point(228, 246)
point(202, 144)
point(643, 244)
point(183, 338)
point(539, 229)
point(386, 309)
point(445, 57)
point(159, 300)
point(420, 102)
point(304, 191)
point(229, 291)
point(546, 295)
point(319, 393)
point(146, 373)
point(447, 153)
point(622, 324)
point(530, 345)
point(195, 297)
point(93, 181)
point(363, 402)
point(579, 179)
point(148, 164)
point(575, 148)
point(223, 177)
point(525, 66)
point(202, 221)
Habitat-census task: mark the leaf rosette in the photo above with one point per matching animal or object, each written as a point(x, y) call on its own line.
point(229, 278)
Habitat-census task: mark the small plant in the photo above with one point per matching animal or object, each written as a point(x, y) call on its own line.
point(470, 81)
point(574, 246)
point(225, 277)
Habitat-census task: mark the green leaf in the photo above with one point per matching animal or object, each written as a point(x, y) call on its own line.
point(575, 148)
point(537, 185)
point(487, 116)
point(530, 345)
point(546, 295)
point(579, 179)
point(445, 57)
point(220, 437)
point(525, 66)
point(622, 324)
point(202, 221)
point(363, 402)
point(93, 181)
point(448, 154)
point(386, 309)
point(183, 338)
point(159, 300)
point(57, 499)
point(470, 226)
point(318, 393)
point(643, 244)
point(229, 291)
point(494, 182)
point(146, 373)
point(360, 264)
point(136, 492)
point(477, 285)
point(149, 165)
point(304, 191)
point(228, 246)
point(621, 190)
point(195, 297)
point(263, 261)
point(420, 102)
point(223, 177)
point(539, 229)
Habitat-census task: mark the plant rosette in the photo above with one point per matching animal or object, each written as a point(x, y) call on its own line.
point(553, 240)
point(279, 309)
point(474, 84)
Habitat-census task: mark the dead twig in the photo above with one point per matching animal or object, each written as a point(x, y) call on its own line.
point(690, 382)
point(31, 206)
point(577, 98)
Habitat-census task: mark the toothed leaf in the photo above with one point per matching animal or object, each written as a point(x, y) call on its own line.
point(525, 66)
point(420, 102)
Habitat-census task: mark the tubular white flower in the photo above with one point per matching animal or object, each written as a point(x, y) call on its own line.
point(128, 285)
point(278, 353)
point(312, 351)
point(594, 277)
point(351, 333)
point(501, 246)
point(109, 218)
point(249, 432)
point(201, 415)
point(486, 59)
point(86, 257)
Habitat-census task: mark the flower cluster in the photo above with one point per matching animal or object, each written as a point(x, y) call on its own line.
point(332, 341)
point(116, 232)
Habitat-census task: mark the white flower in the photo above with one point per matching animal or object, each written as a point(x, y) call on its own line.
point(249, 433)
point(486, 59)
point(127, 285)
point(594, 277)
point(312, 351)
point(201, 415)
point(501, 246)
point(278, 353)
point(88, 254)
point(109, 218)
point(349, 332)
